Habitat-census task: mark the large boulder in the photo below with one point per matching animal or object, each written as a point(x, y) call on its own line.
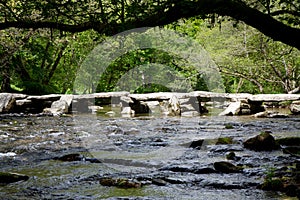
point(295, 107)
point(262, 142)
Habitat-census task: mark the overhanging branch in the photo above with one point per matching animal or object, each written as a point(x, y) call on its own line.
point(180, 9)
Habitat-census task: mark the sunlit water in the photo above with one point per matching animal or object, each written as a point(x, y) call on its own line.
point(134, 147)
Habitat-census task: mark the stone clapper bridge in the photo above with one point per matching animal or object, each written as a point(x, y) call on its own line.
point(167, 103)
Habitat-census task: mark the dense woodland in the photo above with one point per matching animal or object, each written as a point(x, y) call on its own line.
point(254, 43)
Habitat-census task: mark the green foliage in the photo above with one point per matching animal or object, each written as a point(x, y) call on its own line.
point(39, 61)
point(152, 87)
point(249, 61)
point(46, 62)
point(150, 70)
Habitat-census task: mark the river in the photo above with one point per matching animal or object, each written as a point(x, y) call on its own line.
point(151, 150)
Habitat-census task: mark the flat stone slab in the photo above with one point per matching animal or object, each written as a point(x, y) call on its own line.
point(100, 95)
point(50, 97)
point(274, 97)
point(159, 96)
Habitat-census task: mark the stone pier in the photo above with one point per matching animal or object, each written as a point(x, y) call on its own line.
point(174, 104)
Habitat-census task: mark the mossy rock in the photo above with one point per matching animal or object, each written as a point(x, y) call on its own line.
point(274, 184)
point(229, 126)
point(224, 140)
point(289, 141)
point(230, 156)
point(6, 177)
point(262, 142)
point(226, 167)
point(119, 182)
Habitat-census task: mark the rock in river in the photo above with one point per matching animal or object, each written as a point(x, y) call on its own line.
point(262, 142)
point(120, 182)
point(289, 141)
point(6, 177)
point(226, 167)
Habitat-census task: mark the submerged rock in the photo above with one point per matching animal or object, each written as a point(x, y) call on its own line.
point(224, 140)
point(293, 150)
point(196, 144)
point(226, 167)
point(289, 141)
point(262, 142)
point(70, 157)
point(231, 156)
point(274, 184)
point(6, 177)
point(120, 182)
point(76, 157)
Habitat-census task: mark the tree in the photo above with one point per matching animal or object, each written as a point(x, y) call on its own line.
point(41, 61)
point(281, 23)
point(248, 60)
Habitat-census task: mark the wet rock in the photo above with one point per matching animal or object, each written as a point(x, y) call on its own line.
point(270, 114)
point(225, 186)
point(224, 140)
point(295, 107)
point(262, 142)
point(6, 177)
point(294, 150)
point(233, 109)
point(120, 182)
point(231, 156)
point(204, 170)
point(159, 182)
point(76, 157)
point(70, 157)
point(224, 148)
point(174, 180)
point(178, 168)
point(289, 141)
point(196, 144)
point(273, 184)
point(226, 167)
point(291, 190)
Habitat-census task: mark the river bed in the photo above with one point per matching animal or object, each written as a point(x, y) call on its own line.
point(143, 149)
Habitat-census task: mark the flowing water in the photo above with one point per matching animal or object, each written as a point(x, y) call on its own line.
point(143, 149)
